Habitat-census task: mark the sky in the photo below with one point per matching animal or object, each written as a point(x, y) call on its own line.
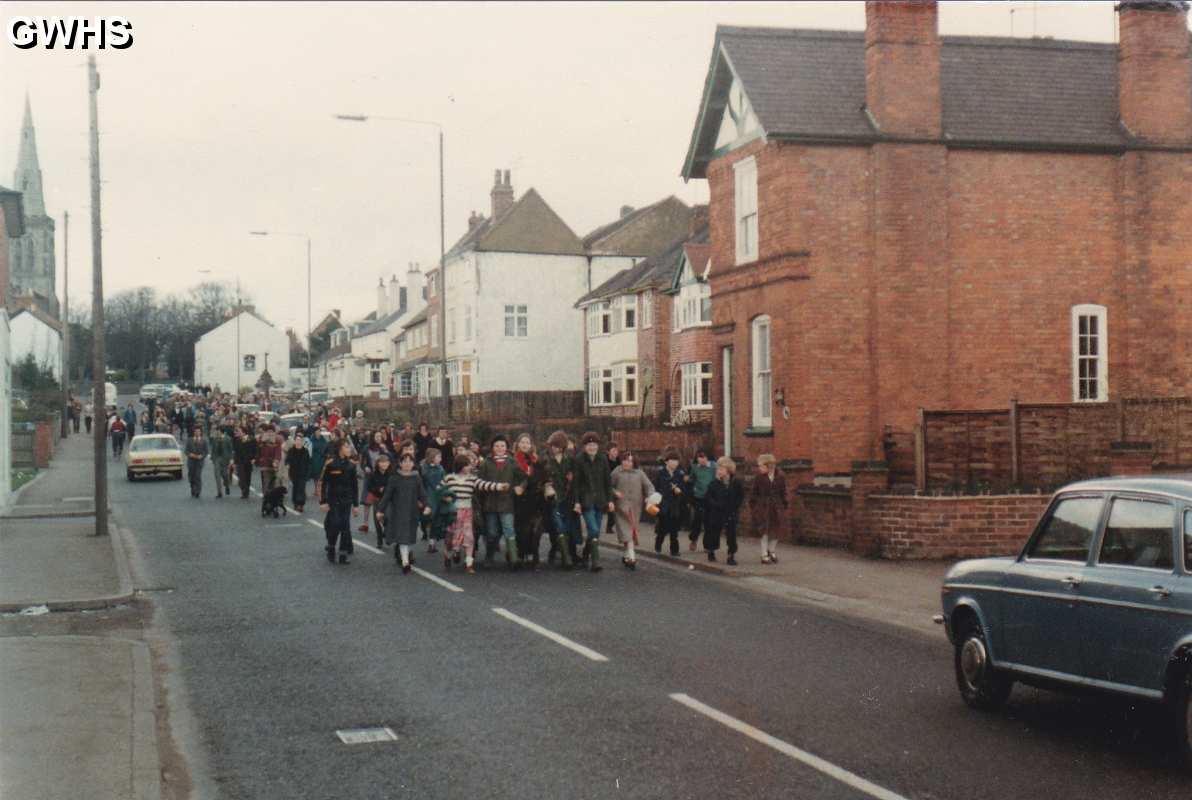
point(219, 121)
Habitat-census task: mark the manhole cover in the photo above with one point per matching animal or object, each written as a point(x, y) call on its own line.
point(366, 735)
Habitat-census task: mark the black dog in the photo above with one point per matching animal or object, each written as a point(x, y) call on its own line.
point(273, 502)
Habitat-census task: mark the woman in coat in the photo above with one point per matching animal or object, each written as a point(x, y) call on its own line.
point(527, 500)
point(767, 504)
point(631, 487)
point(401, 505)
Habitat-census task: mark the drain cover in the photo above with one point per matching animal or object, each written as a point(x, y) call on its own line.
point(366, 735)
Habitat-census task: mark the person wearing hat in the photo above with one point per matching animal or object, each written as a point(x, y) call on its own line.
point(671, 483)
point(498, 505)
point(767, 505)
point(561, 521)
point(722, 505)
point(593, 494)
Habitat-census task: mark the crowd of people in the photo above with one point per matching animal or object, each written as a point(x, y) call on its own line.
point(405, 485)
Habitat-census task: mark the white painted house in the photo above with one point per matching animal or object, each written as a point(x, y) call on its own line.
point(34, 332)
point(510, 324)
point(11, 225)
point(255, 340)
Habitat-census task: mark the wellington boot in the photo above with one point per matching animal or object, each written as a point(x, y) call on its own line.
point(564, 550)
point(594, 554)
point(511, 558)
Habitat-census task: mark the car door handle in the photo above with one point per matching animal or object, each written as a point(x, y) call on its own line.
point(1162, 592)
point(1072, 582)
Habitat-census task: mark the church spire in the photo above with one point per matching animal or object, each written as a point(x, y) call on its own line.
point(27, 177)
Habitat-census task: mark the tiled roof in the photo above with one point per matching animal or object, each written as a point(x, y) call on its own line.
point(529, 226)
point(644, 232)
point(414, 320)
point(649, 273)
point(380, 324)
point(1008, 92)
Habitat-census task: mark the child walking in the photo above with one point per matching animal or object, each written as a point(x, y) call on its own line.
point(463, 484)
point(722, 503)
point(631, 487)
point(670, 483)
point(432, 475)
point(404, 499)
point(767, 503)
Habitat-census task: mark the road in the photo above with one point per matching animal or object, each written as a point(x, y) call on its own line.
point(279, 649)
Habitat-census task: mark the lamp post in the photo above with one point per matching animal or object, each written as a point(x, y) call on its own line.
point(446, 386)
point(309, 329)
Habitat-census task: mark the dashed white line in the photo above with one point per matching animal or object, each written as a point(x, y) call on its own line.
point(586, 652)
point(448, 585)
point(787, 749)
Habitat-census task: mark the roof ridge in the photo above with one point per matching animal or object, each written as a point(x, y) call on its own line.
point(802, 33)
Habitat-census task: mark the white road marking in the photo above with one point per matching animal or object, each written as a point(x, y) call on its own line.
point(367, 547)
point(76, 499)
point(554, 637)
point(448, 585)
point(366, 735)
point(787, 749)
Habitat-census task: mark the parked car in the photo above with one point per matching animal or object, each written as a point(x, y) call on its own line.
point(150, 391)
point(110, 395)
point(153, 454)
point(313, 397)
point(290, 421)
point(247, 408)
point(1100, 598)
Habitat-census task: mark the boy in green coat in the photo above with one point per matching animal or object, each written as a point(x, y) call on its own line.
point(593, 493)
point(498, 505)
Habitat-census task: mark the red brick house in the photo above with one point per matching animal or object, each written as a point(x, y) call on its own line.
point(902, 220)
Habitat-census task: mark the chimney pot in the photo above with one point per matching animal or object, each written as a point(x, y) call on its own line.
point(502, 196)
point(626, 211)
point(496, 177)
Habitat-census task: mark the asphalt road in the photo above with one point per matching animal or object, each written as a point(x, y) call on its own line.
point(279, 649)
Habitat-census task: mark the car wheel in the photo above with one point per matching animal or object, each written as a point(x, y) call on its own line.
point(131, 477)
point(981, 685)
point(178, 475)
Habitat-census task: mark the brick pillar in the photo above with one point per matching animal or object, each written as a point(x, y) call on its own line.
point(1153, 71)
point(902, 67)
point(796, 472)
point(1130, 458)
point(869, 477)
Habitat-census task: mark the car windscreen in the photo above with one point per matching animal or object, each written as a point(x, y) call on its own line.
point(163, 443)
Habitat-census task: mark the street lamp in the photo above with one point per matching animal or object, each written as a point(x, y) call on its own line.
point(442, 241)
point(309, 329)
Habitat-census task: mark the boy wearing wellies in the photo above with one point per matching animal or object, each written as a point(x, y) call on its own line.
point(593, 494)
point(670, 484)
point(498, 505)
point(557, 489)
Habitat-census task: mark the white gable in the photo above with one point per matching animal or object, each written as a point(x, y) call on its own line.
point(739, 122)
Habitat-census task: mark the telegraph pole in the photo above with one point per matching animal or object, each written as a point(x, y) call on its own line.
point(99, 359)
point(65, 322)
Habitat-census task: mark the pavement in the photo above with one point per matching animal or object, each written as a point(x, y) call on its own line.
point(77, 710)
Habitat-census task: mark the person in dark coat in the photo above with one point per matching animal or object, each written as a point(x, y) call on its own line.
point(340, 501)
point(593, 493)
point(671, 483)
point(244, 450)
point(298, 465)
point(767, 505)
point(527, 500)
point(402, 504)
point(196, 456)
point(432, 475)
point(558, 475)
point(422, 440)
point(375, 486)
point(221, 459)
point(443, 442)
point(498, 505)
point(722, 504)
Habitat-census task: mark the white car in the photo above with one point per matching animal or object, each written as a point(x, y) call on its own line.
point(153, 454)
point(150, 391)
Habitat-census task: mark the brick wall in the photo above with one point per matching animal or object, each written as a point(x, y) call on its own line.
point(653, 347)
point(825, 516)
point(953, 527)
point(690, 346)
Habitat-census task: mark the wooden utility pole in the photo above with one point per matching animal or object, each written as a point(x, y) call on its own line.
point(99, 374)
point(65, 323)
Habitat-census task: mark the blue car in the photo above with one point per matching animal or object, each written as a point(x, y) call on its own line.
point(1100, 598)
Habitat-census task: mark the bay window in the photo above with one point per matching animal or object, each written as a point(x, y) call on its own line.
point(697, 385)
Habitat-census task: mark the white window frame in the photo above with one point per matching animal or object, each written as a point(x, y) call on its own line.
point(405, 383)
point(761, 369)
point(697, 385)
point(517, 320)
point(628, 376)
point(646, 309)
point(1098, 316)
point(374, 369)
point(629, 312)
point(745, 210)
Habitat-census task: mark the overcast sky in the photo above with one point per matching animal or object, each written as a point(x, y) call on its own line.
point(218, 121)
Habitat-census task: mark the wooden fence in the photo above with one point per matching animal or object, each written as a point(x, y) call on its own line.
point(1035, 446)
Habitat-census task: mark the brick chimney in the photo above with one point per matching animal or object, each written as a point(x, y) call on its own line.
point(626, 211)
point(1154, 90)
point(902, 67)
point(474, 219)
point(502, 194)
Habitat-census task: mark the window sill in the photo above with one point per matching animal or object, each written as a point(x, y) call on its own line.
point(758, 432)
point(696, 408)
point(693, 326)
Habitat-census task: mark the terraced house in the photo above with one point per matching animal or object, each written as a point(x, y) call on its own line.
point(902, 220)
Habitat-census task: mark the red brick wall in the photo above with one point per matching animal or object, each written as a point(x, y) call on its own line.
point(902, 67)
point(1153, 76)
point(825, 516)
point(953, 527)
point(653, 352)
point(690, 346)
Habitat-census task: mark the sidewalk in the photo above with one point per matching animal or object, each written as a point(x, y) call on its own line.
point(77, 711)
point(901, 593)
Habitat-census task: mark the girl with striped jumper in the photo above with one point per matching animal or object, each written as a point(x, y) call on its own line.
point(463, 485)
